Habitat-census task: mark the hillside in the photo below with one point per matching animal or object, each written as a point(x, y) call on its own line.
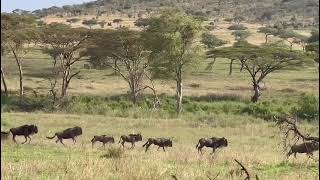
point(253, 10)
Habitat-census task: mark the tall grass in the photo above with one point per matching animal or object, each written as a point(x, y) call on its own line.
point(305, 107)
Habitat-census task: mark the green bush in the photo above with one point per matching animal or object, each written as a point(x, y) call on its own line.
point(307, 107)
point(237, 27)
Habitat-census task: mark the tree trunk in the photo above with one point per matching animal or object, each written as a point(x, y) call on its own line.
point(179, 96)
point(242, 66)
point(20, 80)
point(115, 65)
point(64, 87)
point(4, 83)
point(230, 70)
point(133, 90)
point(179, 90)
point(266, 39)
point(257, 94)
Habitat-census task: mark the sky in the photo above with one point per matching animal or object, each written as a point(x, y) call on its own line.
point(31, 5)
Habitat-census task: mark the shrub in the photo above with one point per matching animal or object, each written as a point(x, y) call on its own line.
point(307, 107)
point(113, 152)
point(237, 27)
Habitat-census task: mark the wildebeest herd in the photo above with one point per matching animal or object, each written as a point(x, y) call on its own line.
point(72, 133)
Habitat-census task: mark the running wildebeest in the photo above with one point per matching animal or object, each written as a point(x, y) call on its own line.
point(213, 142)
point(132, 138)
point(69, 133)
point(25, 130)
point(4, 135)
point(103, 138)
point(160, 142)
point(306, 147)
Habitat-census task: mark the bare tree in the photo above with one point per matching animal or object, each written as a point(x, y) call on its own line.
point(245, 171)
point(64, 45)
point(126, 48)
point(290, 131)
point(18, 33)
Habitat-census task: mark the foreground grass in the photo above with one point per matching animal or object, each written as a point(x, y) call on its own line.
point(254, 142)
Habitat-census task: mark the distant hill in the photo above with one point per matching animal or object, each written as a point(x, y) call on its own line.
point(251, 10)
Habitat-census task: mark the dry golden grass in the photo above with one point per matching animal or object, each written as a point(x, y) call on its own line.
point(253, 142)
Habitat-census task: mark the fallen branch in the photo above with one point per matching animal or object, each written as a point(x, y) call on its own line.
point(214, 177)
point(243, 169)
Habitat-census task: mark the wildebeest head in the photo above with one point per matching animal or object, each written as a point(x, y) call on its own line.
point(112, 140)
point(139, 137)
point(34, 129)
point(169, 143)
point(224, 142)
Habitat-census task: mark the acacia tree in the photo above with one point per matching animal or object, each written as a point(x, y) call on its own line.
point(260, 61)
point(102, 23)
point(170, 38)
point(267, 31)
point(17, 34)
point(211, 41)
point(128, 49)
point(288, 36)
point(64, 45)
point(90, 22)
point(72, 20)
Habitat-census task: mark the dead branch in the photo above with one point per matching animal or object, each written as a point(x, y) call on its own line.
point(243, 169)
point(288, 127)
point(214, 177)
point(174, 177)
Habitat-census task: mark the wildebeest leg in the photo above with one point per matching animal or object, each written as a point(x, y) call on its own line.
point(295, 155)
point(213, 150)
point(158, 148)
point(25, 140)
point(14, 138)
point(163, 149)
point(132, 145)
point(74, 141)
point(122, 143)
point(61, 141)
point(29, 139)
point(104, 145)
point(147, 146)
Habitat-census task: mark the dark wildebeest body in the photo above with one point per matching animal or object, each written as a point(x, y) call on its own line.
point(132, 138)
point(103, 138)
point(25, 130)
point(306, 147)
point(160, 142)
point(4, 135)
point(213, 142)
point(69, 133)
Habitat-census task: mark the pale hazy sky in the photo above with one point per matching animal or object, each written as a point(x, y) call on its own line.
point(31, 5)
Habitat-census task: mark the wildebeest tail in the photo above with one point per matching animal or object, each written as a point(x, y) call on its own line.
point(198, 144)
point(289, 153)
point(146, 142)
point(52, 136)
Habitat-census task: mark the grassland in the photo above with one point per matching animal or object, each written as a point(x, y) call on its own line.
point(252, 140)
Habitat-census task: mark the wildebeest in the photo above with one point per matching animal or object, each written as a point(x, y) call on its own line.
point(306, 147)
point(103, 138)
point(132, 138)
point(70, 133)
point(213, 142)
point(160, 142)
point(25, 130)
point(4, 135)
